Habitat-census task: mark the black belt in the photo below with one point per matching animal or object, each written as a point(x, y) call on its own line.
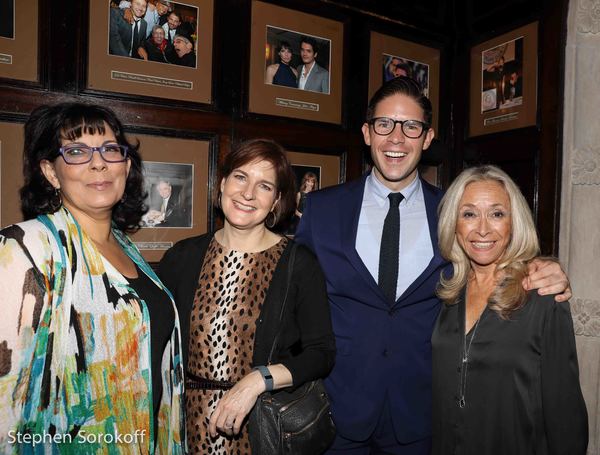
point(194, 382)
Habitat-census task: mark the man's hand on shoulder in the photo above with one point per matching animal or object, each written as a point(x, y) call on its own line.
point(547, 276)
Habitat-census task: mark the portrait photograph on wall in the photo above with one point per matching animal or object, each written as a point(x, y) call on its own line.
point(163, 31)
point(390, 57)
point(177, 191)
point(503, 82)
point(297, 60)
point(313, 171)
point(7, 19)
point(394, 66)
point(19, 40)
point(502, 76)
point(170, 195)
point(154, 48)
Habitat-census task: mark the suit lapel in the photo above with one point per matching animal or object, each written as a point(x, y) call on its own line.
point(350, 218)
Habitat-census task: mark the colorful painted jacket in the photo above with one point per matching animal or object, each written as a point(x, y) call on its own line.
point(75, 371)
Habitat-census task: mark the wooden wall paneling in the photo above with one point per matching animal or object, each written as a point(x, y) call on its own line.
point(551, 98)
point(531, 155)
point(450, 26)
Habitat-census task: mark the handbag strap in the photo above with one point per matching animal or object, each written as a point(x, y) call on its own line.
point(287, 288)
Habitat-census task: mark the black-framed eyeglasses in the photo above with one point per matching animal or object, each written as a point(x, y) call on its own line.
point(82, 154)
point(412, 129)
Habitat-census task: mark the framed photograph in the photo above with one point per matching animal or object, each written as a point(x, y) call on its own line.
point(176, 175)
point(170, 195)
point(504, 82)
point(295, 64)
point(11, 172)
point(391, 57)
point(19, 40)
point(152, 48)
point(313, 172)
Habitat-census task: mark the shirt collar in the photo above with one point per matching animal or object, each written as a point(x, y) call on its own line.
point(380, 192)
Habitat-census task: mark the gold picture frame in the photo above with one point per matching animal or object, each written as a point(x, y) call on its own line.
point(131, 76)
point(283, 23)
point(322, 169)
point(194, 153)
point(11, 172)
point(19, 41)
point(503, 87)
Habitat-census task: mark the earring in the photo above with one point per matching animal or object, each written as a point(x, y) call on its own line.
point(55, 200)
point(270, 223)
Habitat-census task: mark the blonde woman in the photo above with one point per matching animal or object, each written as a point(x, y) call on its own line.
point(505, 373)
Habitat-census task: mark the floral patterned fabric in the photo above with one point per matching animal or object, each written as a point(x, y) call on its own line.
point(75, 371)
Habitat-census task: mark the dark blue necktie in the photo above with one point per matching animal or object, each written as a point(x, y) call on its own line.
point(388, 254)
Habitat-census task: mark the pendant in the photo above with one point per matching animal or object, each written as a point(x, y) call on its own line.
point(461, 402)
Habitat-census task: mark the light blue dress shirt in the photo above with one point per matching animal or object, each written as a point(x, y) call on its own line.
point(416, 250)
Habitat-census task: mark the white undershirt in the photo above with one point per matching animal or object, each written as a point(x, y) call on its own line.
point(304, 77)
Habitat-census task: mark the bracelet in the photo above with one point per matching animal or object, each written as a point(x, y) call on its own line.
point(267, 377)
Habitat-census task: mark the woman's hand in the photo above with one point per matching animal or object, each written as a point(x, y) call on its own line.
point(236, 404)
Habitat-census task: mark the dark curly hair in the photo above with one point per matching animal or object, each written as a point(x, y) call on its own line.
point(45, 128)
point(267, 150)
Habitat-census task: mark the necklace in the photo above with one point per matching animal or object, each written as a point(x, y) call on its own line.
point(465, 362)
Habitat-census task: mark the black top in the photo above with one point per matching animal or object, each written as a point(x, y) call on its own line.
point(162, 322)
point(302, 201)
point(285, 76)
point(522, 393)
point(154, 52)
point(307, 344)
point(188, 59)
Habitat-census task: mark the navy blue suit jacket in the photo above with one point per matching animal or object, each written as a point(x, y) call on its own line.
point(383, 351)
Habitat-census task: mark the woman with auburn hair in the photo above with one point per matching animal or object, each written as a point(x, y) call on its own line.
point(89, 336)
point(310, 182)
point(229, 287)
point(505, 372)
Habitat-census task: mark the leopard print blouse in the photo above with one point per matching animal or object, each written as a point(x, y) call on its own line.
point(231, 289)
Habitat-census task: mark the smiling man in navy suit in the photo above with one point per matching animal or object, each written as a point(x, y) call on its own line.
point(380, 387)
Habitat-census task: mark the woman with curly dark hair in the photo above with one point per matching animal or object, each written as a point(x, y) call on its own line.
point(90, 336)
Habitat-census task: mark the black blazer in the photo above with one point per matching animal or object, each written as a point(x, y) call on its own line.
point(307, 345)
point(120, 35)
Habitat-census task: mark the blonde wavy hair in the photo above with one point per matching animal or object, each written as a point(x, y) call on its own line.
point(509, 294)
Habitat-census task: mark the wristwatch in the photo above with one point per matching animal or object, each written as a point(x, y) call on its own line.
point(267, 377)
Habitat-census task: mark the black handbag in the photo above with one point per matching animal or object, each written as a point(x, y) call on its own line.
point(297, 422)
